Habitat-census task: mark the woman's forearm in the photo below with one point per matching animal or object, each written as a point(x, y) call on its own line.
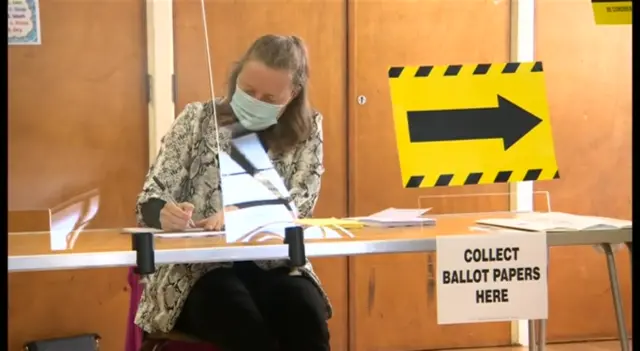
point(150, 211)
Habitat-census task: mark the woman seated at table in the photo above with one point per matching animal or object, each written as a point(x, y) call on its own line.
point(241, 306)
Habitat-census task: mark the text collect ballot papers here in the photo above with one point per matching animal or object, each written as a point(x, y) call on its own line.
point(500, 276)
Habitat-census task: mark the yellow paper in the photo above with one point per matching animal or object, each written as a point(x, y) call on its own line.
point(325, 222)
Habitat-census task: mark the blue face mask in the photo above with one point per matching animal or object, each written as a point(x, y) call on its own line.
point(253, 114)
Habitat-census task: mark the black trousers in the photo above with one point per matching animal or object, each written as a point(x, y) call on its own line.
point(246, 308)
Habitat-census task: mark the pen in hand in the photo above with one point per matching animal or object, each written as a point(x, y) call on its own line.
point(171, 199)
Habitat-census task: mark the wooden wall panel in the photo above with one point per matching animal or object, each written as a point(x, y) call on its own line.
point(321, 24)
point(77, 130)
point(392, 297)
point(588, 72)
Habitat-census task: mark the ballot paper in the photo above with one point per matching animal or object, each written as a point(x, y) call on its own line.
point(556, 222)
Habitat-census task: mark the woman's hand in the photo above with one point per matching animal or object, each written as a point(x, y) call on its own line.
point(176, 217)
point(215, 222)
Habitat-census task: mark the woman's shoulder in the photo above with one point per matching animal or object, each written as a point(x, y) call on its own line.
point(199, 117)
point(316, 116)
point(313, 136)
point(316, 123)
point(191, 114)
point(197, 110)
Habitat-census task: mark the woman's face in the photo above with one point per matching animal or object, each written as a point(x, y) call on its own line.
point(265, 84)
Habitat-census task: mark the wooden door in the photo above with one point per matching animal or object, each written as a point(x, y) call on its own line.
point(233, 26)
point(77, 136)
point(588, 72)
point(392, 297)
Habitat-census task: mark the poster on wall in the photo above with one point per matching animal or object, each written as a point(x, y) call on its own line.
point(24, 22)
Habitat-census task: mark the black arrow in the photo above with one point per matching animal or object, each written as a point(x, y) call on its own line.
point(507, 121)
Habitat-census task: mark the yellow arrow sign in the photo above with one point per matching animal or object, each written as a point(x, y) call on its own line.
point(472, 124)
point(612, 11)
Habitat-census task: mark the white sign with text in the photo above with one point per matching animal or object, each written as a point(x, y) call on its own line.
point(501, 276)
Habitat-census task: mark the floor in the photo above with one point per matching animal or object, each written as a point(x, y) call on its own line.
point(589, 346)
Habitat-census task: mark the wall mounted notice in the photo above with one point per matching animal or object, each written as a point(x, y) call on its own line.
point(610, 12)
point(500, 276)
point(24, 22)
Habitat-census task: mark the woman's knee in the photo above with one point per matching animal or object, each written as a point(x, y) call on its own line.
point(297, 313)
point(221, 310)
point(220, 293)
point(298, 297)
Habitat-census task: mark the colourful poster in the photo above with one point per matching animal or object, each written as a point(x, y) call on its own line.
point(24, 22)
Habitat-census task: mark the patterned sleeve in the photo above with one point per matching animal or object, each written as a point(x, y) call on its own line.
point(172, 160)
point(308, 170)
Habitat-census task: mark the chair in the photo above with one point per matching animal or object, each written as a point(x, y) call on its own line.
point(161, 342)
point(134, 333)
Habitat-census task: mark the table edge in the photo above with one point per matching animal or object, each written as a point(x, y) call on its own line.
point(64, 261)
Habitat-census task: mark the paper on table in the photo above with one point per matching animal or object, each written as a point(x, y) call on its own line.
point(187, 233)
point(394, 223)
point(200, 233)
point(556, 221)
point(327, 222)
point(398, 217)
point(316, 230)
point(399, 213)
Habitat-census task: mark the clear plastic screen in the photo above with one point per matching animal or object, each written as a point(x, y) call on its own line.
point(482, 205)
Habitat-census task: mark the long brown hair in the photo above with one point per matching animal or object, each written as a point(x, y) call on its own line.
point(282, 53)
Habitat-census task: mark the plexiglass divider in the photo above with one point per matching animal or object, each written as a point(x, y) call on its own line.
point(458, 204)
point(481, 205)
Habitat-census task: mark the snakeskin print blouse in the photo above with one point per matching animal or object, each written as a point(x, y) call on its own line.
point(189, 169)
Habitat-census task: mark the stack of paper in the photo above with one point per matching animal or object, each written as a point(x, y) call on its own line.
point(556, 222)
point(397, 217)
